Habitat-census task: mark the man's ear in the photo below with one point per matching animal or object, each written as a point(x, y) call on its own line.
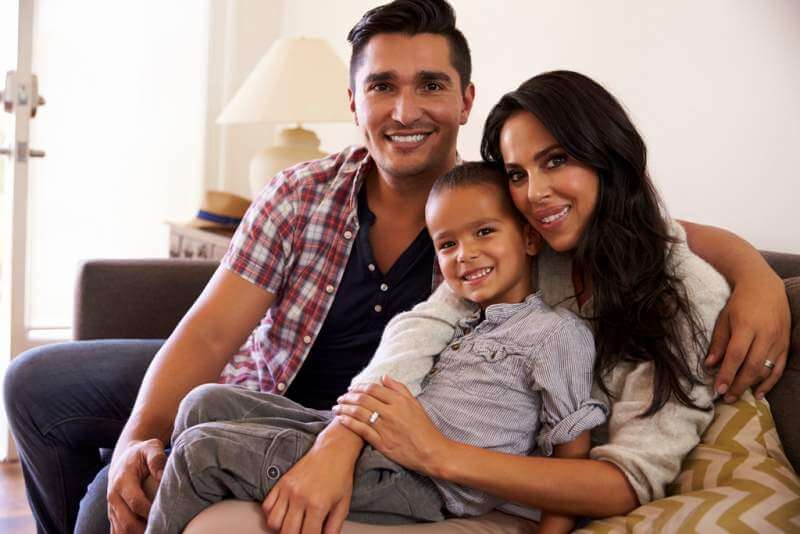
point(469, 99)
point(533, 240)
point(351, 100)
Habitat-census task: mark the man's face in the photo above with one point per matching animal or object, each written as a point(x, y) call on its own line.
point(407, 100)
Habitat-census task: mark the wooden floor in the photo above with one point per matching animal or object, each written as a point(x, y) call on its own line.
point(15, 515)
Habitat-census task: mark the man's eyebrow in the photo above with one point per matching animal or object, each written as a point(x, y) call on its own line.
point(384, 76)
point(434, 76)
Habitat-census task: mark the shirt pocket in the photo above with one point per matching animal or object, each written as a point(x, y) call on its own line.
point(488, 369)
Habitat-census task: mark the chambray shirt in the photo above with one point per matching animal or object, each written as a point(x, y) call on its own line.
point(519, 381)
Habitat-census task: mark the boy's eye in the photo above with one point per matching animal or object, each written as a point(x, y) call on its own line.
point(556, 160)
point(446, 244)
point(485, 231)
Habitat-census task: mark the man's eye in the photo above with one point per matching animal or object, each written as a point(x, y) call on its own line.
point(433, 86)
point(379, 87)
point(556, 161)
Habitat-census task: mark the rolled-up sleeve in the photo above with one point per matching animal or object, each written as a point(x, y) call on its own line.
point(563, 372)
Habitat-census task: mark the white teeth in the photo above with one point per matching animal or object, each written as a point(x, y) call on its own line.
point(478, 274)
point(560, 215)
point(407, 138)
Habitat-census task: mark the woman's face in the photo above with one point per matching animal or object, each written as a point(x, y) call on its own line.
point(555, 192)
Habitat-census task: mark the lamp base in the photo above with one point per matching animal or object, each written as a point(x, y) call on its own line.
point(293, 146)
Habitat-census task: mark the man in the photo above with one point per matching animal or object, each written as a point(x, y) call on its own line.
point(322, 260)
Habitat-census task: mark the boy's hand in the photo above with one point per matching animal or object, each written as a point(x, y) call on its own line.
point(313, 494)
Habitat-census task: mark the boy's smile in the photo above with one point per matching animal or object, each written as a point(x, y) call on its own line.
point(484, 250)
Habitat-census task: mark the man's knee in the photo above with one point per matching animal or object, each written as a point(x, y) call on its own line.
point(23, 384)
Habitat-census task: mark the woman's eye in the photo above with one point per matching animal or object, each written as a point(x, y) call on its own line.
point(556, 161)
point(515, 176)
point(485, 231)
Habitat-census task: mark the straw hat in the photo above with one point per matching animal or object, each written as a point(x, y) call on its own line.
point(220, 210)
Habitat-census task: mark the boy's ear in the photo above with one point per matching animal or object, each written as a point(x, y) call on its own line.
point(533, 240)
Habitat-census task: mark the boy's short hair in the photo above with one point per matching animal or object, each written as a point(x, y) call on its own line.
point(412, 17)
point(474, 173)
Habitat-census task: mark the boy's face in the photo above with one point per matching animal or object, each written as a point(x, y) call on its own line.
point(483, 249)
point(407, 100)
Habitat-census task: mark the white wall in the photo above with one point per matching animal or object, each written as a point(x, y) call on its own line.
point(713, 86)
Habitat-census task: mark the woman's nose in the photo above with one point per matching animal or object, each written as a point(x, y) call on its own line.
point(538, 189)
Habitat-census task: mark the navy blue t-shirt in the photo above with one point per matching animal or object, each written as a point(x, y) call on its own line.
point(364, 303)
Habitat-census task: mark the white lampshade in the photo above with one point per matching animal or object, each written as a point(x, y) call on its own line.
point(298, 80)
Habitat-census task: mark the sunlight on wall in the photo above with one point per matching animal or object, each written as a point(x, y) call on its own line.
point(123, 127)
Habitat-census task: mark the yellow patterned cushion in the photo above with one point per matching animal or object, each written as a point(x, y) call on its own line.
point(736, 480)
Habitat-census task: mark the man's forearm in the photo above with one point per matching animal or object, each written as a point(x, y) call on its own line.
point(183, 363)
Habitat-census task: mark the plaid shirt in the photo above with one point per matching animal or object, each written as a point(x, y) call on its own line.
point(295, 241)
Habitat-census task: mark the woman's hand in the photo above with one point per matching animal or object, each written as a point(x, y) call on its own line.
point(402, 432)
point(752, 328)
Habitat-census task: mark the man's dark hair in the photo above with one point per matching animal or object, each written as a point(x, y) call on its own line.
point(477, 173)
point(412, 17)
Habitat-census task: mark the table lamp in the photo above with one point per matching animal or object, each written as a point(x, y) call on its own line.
point(298, 80)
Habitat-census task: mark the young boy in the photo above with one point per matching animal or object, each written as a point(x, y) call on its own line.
point(516, 378)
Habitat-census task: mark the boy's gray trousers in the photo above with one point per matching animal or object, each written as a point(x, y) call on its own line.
point(233, 443)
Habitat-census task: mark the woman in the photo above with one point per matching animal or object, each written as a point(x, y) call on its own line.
point(577, 170)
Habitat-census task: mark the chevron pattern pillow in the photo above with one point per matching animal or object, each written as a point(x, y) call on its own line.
point(736, 480)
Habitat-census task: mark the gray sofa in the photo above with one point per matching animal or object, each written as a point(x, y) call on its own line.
point(145, 299)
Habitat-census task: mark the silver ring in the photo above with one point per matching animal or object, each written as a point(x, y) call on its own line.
point(374, 417)
point(769, 364)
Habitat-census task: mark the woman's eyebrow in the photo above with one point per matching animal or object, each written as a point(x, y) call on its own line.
point(539, 155)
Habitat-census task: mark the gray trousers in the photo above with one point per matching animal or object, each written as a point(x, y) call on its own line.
point(231, 442)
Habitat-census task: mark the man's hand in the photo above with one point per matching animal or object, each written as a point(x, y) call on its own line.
point(128, 506)
point(752, 329)
point(313, 494)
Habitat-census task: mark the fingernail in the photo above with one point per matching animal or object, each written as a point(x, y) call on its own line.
point(760, 395)
point(729, 399)
point(722, 389)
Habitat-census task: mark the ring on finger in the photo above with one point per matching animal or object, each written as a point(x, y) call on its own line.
point(769, 364)
point(373, 418)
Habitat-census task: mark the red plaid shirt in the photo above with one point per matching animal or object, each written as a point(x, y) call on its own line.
point(295, 241)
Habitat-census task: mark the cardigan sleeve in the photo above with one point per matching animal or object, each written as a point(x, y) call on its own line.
point(412, 339)
point(650, 450)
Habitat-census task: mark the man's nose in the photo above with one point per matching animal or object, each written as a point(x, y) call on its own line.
point(406, 108)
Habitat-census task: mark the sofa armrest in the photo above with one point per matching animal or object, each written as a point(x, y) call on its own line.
point(786, 265)
point(784, 396)
point(136, 299)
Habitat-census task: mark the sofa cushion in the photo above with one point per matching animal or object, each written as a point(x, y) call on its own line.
point(784, 396)
point(736, 480)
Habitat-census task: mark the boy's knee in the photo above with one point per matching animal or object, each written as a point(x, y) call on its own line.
point(200, 406)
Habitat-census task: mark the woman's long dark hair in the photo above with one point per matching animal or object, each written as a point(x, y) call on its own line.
point(641, 310)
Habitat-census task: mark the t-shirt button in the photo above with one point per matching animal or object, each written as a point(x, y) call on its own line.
point(384, 287)
point(348, 234)
point(281, 386)
point(307, 339)
point(329, 289)
point(378, 308)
